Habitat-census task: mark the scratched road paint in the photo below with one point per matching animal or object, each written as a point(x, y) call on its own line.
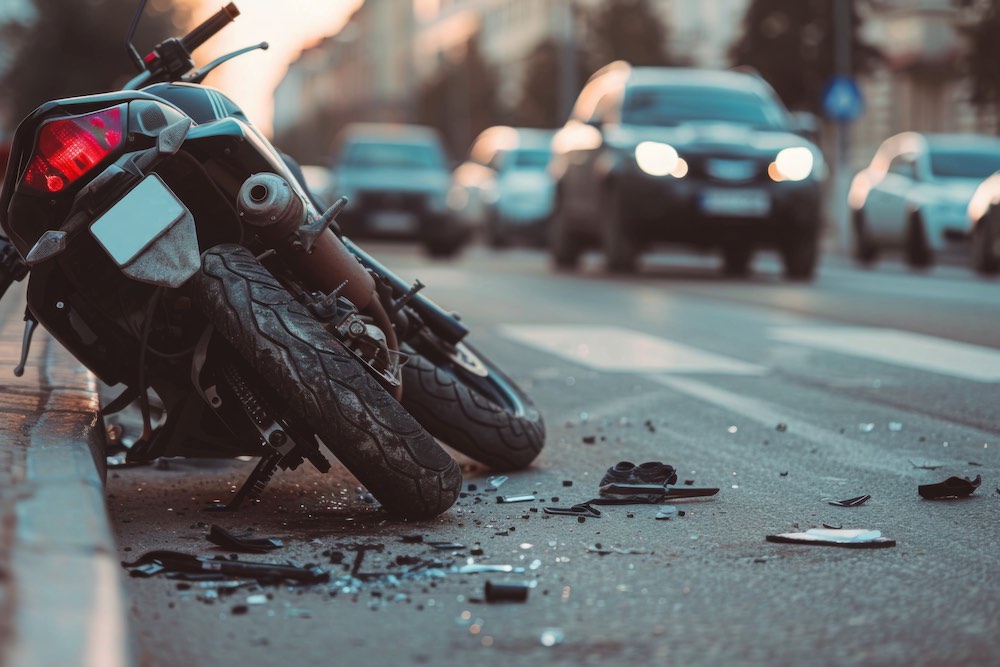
point(900, 348)
point(622, 350)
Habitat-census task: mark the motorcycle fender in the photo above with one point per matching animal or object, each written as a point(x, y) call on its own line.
point(151, 235)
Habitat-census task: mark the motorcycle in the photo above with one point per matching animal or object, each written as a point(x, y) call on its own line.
point(172, 249)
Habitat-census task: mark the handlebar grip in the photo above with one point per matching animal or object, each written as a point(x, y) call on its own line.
point(209, 27)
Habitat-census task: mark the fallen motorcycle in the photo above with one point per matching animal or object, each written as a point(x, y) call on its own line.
point(172, 249)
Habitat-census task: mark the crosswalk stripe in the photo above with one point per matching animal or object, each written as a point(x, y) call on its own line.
point(618, 349)
point(900, 348)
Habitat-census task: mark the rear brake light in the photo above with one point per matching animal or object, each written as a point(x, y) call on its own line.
point(68, 148)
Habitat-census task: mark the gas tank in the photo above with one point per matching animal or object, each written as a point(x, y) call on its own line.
point(201, 103)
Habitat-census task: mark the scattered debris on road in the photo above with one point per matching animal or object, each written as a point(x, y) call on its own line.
point(850, 502)
point(155, 562)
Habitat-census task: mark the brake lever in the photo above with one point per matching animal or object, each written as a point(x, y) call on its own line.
point(199, 75)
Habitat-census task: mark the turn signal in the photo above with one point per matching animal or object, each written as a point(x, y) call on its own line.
point(68, 148)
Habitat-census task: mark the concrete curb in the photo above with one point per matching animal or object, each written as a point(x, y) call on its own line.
point(63, 601)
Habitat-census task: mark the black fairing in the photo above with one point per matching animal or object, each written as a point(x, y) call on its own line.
point(202, 103)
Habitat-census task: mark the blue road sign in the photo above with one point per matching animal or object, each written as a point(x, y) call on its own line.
point(842, 99)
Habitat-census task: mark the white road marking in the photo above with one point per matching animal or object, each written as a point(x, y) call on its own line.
point(623, 350)
point(900, 348)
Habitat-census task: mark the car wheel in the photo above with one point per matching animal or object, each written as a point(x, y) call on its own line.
point(917, 250)
point(984, 244)
point(736, 260)
point(619, 246)
point(865, 250)
point(564, 244)
point(800, 254)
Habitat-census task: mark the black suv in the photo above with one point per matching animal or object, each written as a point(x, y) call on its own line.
point(704, 158)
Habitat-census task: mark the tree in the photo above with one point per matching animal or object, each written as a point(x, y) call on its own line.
point(627, 30)
point(77, 48)
point(791, 44)
point(460, 98)
point(983, 58)
point(539, 100)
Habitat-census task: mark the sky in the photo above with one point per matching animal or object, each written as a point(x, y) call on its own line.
point(287, 26)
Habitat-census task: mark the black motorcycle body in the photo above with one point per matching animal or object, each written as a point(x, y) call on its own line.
point(171, 247)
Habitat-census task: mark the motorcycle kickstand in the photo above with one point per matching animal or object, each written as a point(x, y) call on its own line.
point(30, 324)
point(254, 485)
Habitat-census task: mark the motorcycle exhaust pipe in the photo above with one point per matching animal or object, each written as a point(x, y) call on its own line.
point(268, 203)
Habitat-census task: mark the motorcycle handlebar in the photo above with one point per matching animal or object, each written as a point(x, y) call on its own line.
point(209, 27)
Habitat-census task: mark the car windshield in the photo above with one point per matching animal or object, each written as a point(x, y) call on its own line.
point(527, 158)
point(964, 163)
point(680, 104)
point(370, 154)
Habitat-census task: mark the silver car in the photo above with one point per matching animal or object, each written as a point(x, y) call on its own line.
point(915, 193)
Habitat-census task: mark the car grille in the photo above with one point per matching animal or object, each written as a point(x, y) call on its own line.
point(728, 169)
point(391, 201)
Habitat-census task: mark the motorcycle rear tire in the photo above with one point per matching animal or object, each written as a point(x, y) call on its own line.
point(323, 388)
point(486, 417)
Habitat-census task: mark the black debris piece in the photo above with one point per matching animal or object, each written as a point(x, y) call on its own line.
point(155, 562)
point(257, 545)
point(953, 487)
point(445, 546)
point(783, 474)
point(647, 493)
point(589, 439)
point(507, 591)
point(781, 427)
point(412, 539)
point(567, 482)
point(851, 502)
point(832, 527)
point(650, 472)
point(580, 509)
point(689, 482)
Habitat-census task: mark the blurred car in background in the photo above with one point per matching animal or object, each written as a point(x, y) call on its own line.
point(984, 226)
point(319, 180)
point(396, 179)
point(503, 187)
point(915, 193)
point(705, 158)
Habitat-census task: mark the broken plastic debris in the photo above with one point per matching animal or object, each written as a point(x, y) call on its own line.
point(580, 509)
point(953, 487)
point(479, 568)
point(515, 499)
point(851, 502)
point(223, 538)
point(507, 591)
point(648, 493)
point(836, 537)
point(155, 562)
point(602, 550)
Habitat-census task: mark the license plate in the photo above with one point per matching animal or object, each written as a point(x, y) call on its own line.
point(396, 222)
point(138, 219)
point(736, 203)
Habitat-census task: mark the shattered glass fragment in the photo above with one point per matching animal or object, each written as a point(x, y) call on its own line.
point(496, 480)
point(866, 428)
point(895, 426)
point(666, 512)
point(515, 499)
point(551, 637)
point(479, 568)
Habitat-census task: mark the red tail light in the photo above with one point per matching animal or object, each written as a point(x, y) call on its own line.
point(68, 148)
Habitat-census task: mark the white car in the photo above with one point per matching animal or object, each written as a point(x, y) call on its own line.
point(915, 193)
point(503, 187)
point(984, 226)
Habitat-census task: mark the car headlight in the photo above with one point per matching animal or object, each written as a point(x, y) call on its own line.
point(659, 159)
point(792, 164)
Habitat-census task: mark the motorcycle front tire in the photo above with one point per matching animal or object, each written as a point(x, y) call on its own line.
point(323, 388)
point(481, 413)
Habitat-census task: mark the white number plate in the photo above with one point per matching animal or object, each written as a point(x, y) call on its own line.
point(737, 203)
point(138, 219)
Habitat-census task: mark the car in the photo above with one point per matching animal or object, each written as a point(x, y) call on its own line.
point(503, 187)
point(914, 195)
point(709, 159)
point(984, 226)
point(396, 179)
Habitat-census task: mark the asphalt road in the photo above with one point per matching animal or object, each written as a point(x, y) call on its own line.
point(784, 396)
